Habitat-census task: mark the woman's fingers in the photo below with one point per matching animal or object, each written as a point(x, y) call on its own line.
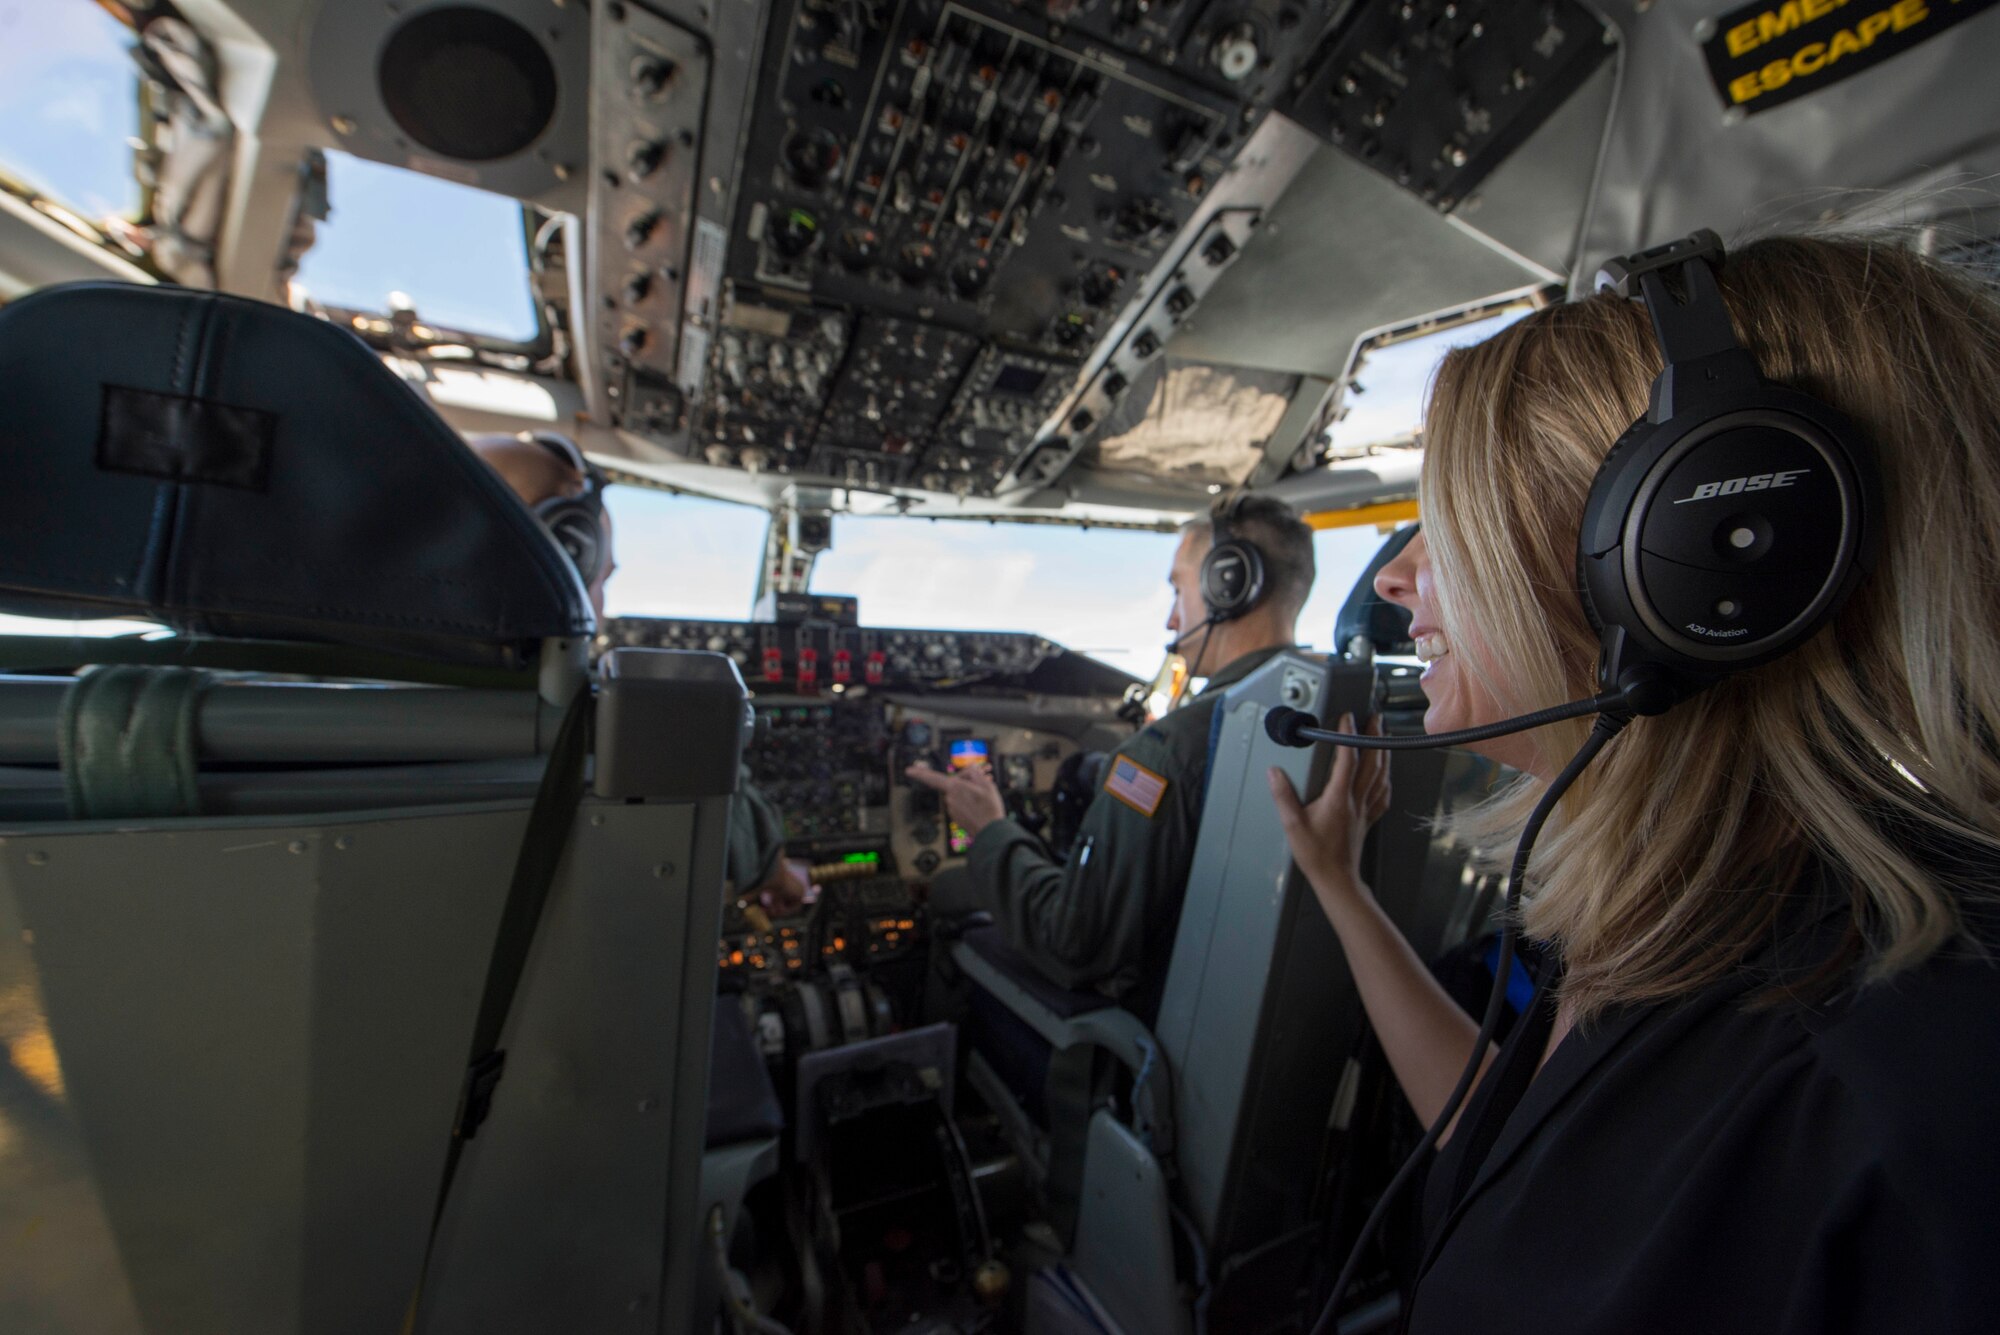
point(1341, 780)
point(1282, 792)
point(1378, 761)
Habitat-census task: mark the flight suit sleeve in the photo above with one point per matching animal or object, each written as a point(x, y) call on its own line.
point(1084, 921)
point(756, 836)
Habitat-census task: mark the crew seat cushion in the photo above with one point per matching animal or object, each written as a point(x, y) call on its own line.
point(742, 1103)
point(233, 468)
point(990, 943)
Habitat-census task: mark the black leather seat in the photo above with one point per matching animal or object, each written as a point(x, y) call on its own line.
point(1367, 615)
point(991, 943)
point(231, 468)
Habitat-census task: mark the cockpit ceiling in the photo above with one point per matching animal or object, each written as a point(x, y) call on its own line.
point(1000, 260)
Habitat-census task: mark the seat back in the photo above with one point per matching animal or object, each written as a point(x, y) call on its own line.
point(1254, 973)
point(578, 1204)
point(1260, 1010)
point(246, 926)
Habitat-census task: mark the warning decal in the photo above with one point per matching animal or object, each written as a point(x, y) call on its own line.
point(1135, 785)
point(1764, 55)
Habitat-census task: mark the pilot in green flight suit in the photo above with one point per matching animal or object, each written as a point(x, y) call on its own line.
point(1106, 918)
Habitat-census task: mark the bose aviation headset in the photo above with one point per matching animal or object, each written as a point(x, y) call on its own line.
point(1733, 520)
point(1232, 574)
point(1722, 530)
point(575, 522)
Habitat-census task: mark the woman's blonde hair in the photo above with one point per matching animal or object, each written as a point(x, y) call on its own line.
point(1679, 853)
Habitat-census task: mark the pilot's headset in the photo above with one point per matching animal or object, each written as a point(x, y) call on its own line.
point(1232, 574)
point(1733, 520)
point(575, 522)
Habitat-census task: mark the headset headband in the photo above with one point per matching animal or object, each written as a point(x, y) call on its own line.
point(567, 450)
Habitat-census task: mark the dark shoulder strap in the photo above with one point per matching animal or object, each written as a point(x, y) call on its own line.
point(542, 846)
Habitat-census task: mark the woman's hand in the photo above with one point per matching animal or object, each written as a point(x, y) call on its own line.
point(1326, 834)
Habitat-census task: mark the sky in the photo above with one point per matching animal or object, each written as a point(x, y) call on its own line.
point(1394, 380)
point(459, 254)
point(69, 104)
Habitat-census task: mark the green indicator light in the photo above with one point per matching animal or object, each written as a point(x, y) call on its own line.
point(804, 219)
point(862, 858)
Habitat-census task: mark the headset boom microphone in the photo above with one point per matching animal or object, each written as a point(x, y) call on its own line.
point(1295, 727)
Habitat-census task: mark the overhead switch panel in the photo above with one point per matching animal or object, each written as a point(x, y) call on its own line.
point(1434, 94)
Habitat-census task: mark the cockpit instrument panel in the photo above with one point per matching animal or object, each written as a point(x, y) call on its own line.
point(825, 764)
point(814, 657)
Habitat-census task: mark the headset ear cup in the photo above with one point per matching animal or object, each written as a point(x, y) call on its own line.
point(1590, 613)
point(576, 528)
point(1232, 579)
point(1601, 485)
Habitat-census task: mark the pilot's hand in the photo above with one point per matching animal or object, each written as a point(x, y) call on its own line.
point(970, 796)
point(1326, 834)
point(784, 893)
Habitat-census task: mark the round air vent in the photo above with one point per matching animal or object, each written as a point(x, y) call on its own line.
point(467, 83)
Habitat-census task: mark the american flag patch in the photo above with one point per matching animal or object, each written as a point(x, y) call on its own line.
point(1135, 785)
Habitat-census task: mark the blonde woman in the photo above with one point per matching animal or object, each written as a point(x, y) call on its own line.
point(1760, 1090)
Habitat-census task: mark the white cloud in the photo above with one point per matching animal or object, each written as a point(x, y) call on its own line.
point(75, 108)
point(37, 34)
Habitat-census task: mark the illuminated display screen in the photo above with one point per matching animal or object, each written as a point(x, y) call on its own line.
point(967, 752)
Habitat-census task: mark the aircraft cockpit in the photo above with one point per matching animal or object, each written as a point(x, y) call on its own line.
point(408, 923)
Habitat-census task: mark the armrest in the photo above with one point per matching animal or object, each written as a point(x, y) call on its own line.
point(1111, 1028)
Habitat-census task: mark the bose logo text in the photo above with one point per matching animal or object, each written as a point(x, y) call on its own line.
point(1758, 482)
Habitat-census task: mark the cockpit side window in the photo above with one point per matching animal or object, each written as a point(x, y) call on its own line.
point(449, 260)
point(69, 109)
point(1384, 404)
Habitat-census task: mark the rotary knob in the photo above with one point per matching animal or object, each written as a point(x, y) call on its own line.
point(640, 230)
point(644, 157)
point(1235, 53)
point(651, 75)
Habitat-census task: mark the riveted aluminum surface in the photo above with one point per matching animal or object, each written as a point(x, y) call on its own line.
point(232, 1065)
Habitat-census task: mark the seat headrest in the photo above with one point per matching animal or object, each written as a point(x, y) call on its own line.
point(235, 469)
point(1368, 614)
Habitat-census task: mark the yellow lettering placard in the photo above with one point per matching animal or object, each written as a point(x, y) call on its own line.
point(1765, 54)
